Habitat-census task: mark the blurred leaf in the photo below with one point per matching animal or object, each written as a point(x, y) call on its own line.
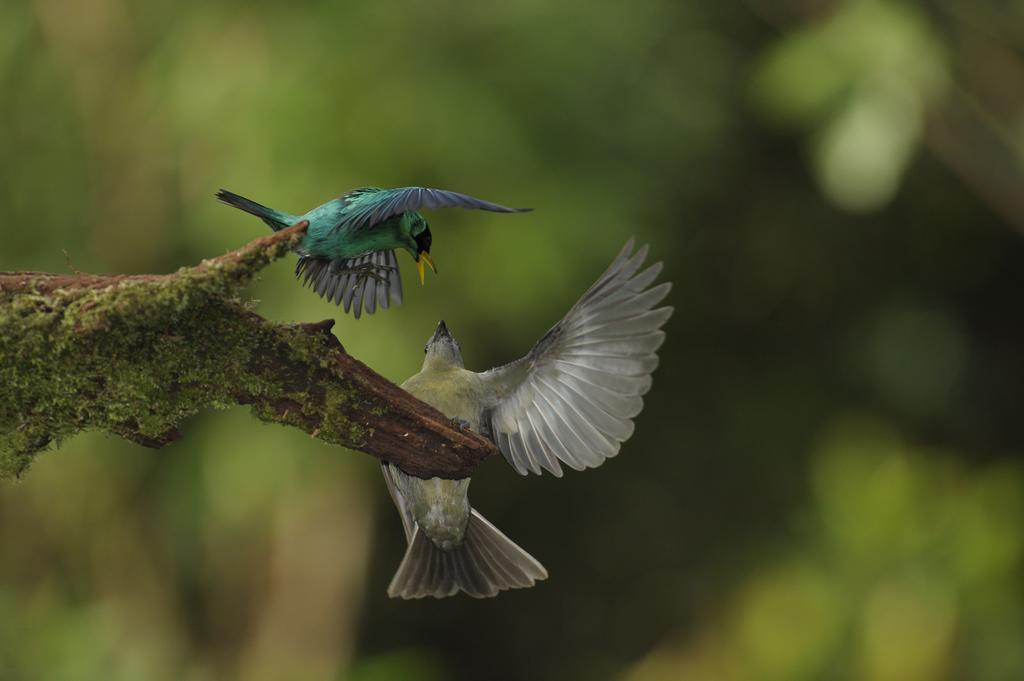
point(908, 628)
point(861, 153)
point(860, 81)
point(789, 621)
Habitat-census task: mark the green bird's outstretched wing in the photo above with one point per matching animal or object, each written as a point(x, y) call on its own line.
point(573, 398)
point(370, 206)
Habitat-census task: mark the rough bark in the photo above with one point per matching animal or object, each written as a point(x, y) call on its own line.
point(135, 355)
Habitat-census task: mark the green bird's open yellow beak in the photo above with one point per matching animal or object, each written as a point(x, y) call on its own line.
point(424, 257)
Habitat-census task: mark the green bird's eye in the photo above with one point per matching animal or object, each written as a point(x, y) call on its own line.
point(423, 239)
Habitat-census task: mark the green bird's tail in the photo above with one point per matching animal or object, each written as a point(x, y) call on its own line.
point(485, 563)
point(275, 219)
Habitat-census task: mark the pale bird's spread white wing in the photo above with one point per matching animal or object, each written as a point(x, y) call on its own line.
point(573, 398)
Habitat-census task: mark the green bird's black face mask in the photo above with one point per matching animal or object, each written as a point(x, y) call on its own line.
point(423, 241)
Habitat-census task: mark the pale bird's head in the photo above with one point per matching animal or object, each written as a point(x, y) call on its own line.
point(442, 350)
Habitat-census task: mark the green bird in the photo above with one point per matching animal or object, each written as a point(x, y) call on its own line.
point(571, 400)
point(348, 254)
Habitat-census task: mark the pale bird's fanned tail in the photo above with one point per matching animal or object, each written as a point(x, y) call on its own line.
point(348, 283)
point(486, 563)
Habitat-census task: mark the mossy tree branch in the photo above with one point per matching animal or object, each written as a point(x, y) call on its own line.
point(135, 355)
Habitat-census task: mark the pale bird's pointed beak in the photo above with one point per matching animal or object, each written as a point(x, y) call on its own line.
point(440, 333)
point(424, 259)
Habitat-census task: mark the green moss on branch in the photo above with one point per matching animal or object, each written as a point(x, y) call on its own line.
point(135, 356)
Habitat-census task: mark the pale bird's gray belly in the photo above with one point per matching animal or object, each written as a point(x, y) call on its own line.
point(441, 507)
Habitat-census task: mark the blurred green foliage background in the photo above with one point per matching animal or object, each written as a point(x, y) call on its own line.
point(826, 482)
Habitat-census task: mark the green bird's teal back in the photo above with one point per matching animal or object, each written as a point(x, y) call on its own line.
point(348, 253)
